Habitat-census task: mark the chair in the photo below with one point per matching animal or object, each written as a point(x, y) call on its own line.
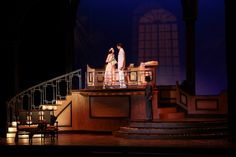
point(52, 125)
point(25, 125)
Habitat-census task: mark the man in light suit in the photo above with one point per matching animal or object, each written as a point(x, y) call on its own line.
point(121, 65)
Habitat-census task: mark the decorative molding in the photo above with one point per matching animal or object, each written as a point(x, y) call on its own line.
point(109, 106)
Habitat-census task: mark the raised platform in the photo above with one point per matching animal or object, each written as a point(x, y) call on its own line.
point(107, 109)
point(175, 129)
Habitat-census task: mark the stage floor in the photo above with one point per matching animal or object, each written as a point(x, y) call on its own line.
point(107, 144)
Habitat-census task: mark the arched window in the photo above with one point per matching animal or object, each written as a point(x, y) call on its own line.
point(158, 39)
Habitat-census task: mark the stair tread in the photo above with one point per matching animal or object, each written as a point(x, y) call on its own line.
point(180, 136)
point(176, 115)
point(181, 129)
point(172, 131)
point(173, 125)
point(167, 109)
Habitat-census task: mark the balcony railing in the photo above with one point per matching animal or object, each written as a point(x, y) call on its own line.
point(134, 76)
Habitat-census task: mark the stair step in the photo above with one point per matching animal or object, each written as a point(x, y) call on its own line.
point(171, 130)
point(11, 135)
point(60, 102)
point(49, 106)
point(13, 124)
point(171, 136)
point(169, 116)
point(178, 124)
point(12, 129)
point(177, 129)
point(167, 110)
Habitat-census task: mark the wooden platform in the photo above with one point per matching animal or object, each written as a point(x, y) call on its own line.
point(104, 109)
point(87, 144)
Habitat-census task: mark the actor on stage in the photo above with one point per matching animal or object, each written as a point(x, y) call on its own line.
point(109, 75)
point(121, 65)
point(148, 98)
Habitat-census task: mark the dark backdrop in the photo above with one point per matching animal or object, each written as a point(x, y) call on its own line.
point(38, 45)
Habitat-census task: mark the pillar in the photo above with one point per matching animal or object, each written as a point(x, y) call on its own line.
point(190, 16)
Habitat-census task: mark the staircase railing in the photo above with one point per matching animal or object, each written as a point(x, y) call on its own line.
point(48, 92)
point(202, 104)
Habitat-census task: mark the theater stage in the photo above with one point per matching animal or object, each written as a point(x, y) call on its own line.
point(77, 144)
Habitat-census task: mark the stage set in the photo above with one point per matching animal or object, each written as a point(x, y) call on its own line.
point(112, 121)
point(91, 108)
point(119, 111)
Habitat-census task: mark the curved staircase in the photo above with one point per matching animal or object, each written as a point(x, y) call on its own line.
point(184, 129)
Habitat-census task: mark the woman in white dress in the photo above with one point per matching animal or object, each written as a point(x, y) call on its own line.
point(109, 75)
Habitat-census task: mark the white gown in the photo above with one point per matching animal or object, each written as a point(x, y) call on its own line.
point(109, 70)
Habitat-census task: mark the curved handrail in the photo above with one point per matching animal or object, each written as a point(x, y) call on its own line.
point(47, 92)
